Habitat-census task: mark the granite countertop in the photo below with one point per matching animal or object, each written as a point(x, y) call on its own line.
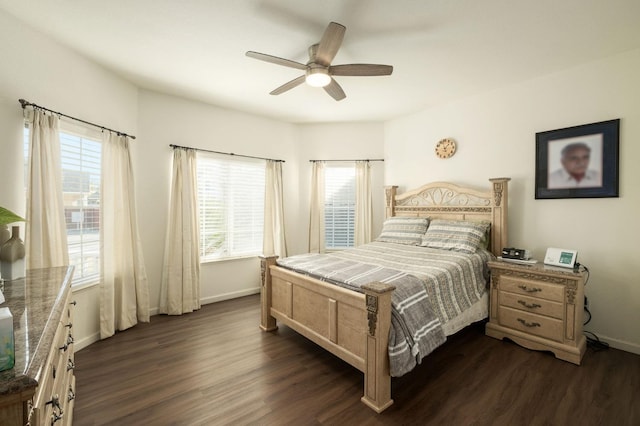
point(36, 303)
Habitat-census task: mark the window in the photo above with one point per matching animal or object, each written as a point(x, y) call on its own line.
point(81, 158)
point(339, 206)
point(231, 204)
point(81, 170)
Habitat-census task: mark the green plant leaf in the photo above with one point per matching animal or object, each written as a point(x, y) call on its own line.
point(7, 217)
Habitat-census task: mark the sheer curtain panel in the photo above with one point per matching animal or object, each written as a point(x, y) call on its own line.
point(46, 233)
point(180, 289)
point(274, 237)
point(124, 288)
point(316, 219)
point(364, 212)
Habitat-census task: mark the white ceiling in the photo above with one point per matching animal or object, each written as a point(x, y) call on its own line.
point(440, 49)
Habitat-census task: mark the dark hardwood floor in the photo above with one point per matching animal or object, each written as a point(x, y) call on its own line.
point(215, 367)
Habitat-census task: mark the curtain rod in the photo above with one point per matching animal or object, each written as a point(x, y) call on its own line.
point(225, 153)
point(365, 159)
point(27, 103)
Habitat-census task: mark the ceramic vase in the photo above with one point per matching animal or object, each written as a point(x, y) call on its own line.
point(4, 234)
point(12, 256)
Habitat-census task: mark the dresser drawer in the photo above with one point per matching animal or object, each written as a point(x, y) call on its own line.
point(532, 288)
point(51, 370)
point(52, 404)
point(532, 304)
point(549, 328)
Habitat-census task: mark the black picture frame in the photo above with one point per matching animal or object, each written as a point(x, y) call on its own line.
point(563, 150)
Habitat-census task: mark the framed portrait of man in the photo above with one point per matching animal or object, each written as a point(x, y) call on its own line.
point(578, 162)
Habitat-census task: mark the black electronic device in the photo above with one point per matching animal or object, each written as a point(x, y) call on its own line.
point(515, 253)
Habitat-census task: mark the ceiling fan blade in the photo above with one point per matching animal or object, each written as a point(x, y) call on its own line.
point(360, 69)
point(335, 91)
point(330, 43)
point(288, 86)
point(276, 60)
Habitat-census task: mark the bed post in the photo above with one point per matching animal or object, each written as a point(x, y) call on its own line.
point(267, 322)
point(500, 189)
point(377, 379)
point(390, 201)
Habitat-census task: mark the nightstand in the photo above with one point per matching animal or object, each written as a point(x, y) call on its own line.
point(539, 307)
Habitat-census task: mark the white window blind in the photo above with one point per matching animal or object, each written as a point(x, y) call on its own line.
point(81, 167)
point(81, 173)
point(231, 204)
point(339, 206)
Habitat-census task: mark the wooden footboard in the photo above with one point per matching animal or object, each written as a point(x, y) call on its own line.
point(353, 326)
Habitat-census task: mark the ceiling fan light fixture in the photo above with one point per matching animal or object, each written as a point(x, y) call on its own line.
point(317, 77)
point(319, 72)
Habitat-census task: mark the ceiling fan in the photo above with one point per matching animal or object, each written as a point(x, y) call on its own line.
point(318, 71)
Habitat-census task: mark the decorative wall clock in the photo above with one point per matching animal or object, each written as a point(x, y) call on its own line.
point(446, 148)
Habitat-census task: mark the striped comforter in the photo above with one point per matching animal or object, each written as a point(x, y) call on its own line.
point(432, 287)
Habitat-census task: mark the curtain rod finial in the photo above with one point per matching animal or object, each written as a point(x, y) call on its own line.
point(23, 103)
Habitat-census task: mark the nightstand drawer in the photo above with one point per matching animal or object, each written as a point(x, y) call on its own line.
point(532, 288)
point(531, 304)
point(546, 327)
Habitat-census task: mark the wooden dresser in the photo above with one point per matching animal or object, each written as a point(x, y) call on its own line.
point(39, 390)
point(539, 307)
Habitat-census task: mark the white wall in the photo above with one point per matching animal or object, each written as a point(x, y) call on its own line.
point(496, 137)
point(41, 71)
point(166, 120)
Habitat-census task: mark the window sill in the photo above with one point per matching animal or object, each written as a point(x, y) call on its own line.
point(224, 259)
point(84, 286)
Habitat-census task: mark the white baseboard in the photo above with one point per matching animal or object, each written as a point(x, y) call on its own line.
point(217, 298)
point(83, 343)
point(228, 296)
point(634, 348)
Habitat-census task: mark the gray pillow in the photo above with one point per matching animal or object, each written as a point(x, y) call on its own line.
point(403, 230)
point(456, 235)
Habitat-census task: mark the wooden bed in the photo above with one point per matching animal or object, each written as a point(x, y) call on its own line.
point(355, 326)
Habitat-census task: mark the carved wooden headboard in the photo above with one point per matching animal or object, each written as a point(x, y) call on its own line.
point(443, 200)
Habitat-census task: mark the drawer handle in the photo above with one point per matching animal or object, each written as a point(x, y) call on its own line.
point(529, 305)
point(72, 394)
point(70, 364)
point(74, 303)
point(529, 290)
point(64, 347)
point(55, 402)
point(56, 416)
point(70, 325)
point(528, 324)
